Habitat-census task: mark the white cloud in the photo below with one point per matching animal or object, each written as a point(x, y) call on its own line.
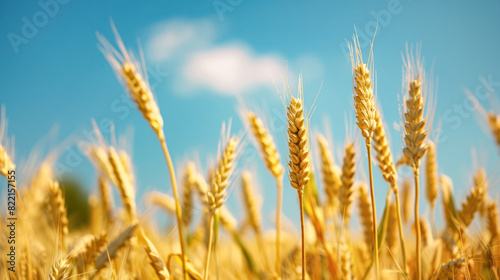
point(177, 37)
point(228, 69)
point(232, 69)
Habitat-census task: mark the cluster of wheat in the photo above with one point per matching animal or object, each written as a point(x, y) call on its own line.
point(120, 243)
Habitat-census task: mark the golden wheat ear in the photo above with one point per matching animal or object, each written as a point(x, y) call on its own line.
point(133, 77)
point(330, 176)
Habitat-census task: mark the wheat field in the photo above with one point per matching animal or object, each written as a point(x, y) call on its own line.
point(123, 241)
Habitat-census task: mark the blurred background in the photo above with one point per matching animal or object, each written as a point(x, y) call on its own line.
point(206, 58)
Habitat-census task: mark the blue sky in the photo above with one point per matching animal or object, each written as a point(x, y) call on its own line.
point(204, 56)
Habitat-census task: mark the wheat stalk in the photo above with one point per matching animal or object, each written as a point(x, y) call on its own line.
point(252, 206)
point(407, 203)
point(298, 165)
point(389, 173)
point(414, 137)
point(217, 194)
point(364, 108)
point(271, 157)
point(129, 72)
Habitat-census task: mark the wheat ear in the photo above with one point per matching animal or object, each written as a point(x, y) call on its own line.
point(386, 165)
point(365, 213)
point(392, 230)
point(112, 249)
point(298, 165)
point(494, 122)
point(58, 210)
point(60, 269)
point(252, 207)
point(164, 201)
point(331, 175)
point(364, 108)
point(154, 256)
point(345, 260)
point(271, 157)
point(90, 246)
point(415, 149)
point(217, 194)
point(106, 199)
point(471, 203)
point(347, 178)
point(431, 179)
point(492, 220)
point(139, 90)
point(187, 194)
point(123, 181)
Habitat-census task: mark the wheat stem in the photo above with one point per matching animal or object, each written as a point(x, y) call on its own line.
point(177, 203)
point(400, 226)
point(279, 184)
point(302, 230)
point(417, 223)
point(374, 210)
point(210, 237)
